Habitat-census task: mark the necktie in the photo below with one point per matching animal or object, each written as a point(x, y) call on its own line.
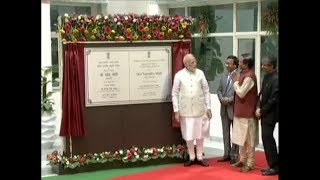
point(228, 83)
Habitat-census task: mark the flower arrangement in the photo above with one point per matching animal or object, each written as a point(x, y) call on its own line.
point(124, 27)
point(126, 155)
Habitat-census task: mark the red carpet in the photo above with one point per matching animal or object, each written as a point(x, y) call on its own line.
point(216, 171)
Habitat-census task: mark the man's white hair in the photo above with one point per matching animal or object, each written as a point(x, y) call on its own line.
point(187, 57)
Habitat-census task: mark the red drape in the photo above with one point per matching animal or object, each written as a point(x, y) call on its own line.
point(72, 123)
point(180, 49)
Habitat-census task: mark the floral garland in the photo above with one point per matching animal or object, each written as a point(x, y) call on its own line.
point(124, 27)
point(126, 155)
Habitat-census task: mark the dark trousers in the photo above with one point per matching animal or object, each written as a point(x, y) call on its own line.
point(269, 144)
point(229, 151)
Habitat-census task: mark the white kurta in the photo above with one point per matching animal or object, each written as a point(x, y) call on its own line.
point(195, 127)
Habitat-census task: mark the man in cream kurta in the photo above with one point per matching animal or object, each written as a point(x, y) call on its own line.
point(191, 105)
point(245, 126)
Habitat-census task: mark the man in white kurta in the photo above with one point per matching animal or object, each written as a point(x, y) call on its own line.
point(191, 105)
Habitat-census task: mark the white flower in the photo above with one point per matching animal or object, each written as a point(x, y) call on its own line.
point(135, 153)
point(95, 154)
point(137, 156)
point(134, 20)
point(125, 158)
point(106, 17)
point(67, 163)
point(128, 150)
point(121, 152)
point(66, 15)
point(98, 17)
point(145, 156)
point(115, 20)
point(126, 18)
point(136, 149)
point(118, 23)
point(79, 17)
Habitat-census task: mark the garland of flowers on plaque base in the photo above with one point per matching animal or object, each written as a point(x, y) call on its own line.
point(133, 154)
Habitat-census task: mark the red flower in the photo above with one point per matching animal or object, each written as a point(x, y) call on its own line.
point(82, 160)
point(154, 151)
point(107, 30)
point(82, 39)
point(129, 154)
point(55, 153)
point(176, 17)
point(155, 34)
point(141, 28)
point(129, 35)
point(188, 35)
point(144, 37)
point(67, 26)
point(155, 30)
point(174, 26)
point(161, 36)
point(102, 37)
point(82, 29)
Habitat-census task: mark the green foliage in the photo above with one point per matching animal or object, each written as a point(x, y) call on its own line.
point(209, 53)
point(46, 100)
point(271, 19)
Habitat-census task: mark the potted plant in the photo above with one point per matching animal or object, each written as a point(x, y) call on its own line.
point(270, 18)
point(46, 100)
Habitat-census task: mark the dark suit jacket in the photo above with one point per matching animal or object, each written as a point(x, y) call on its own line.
point(269, 98)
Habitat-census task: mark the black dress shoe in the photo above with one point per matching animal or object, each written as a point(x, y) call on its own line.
point(224, 159)
point(233, 161)
point(203, 163)
point(188, 163)
point(270, 172)
point(265, 169)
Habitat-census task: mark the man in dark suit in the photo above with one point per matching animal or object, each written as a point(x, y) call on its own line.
point(226, 96)
point(268, 110)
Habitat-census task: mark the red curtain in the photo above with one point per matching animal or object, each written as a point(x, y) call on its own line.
point(180, 49)
point(72, 123)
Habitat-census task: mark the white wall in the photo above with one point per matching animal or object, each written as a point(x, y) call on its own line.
point(46, 39)
point(126, 7)
point(45, 35)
